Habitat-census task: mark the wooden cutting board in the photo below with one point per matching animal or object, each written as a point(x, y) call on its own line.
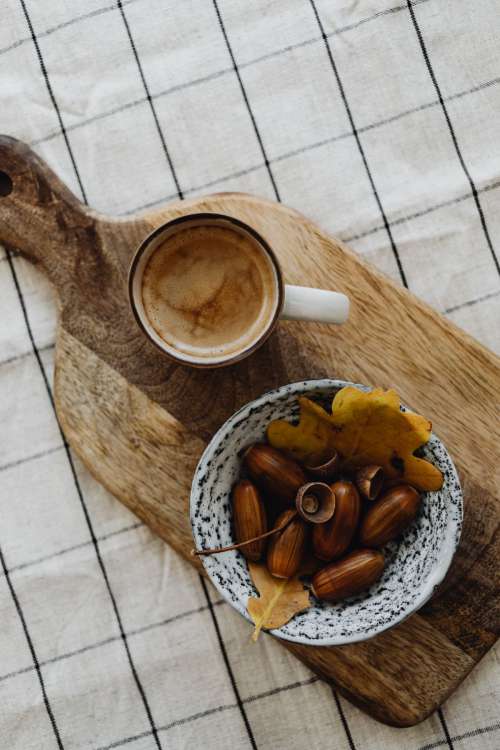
point(140, 422)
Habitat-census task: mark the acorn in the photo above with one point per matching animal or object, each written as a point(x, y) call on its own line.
point(347, 577)
point(277, 475)
point(369, 481)
point(389, 516)
point(315, 502)
point(331, 539)
point(249, 518)
point(286, 549)
point(326, 471)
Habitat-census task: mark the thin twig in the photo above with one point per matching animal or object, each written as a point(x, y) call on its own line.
point(206, 552)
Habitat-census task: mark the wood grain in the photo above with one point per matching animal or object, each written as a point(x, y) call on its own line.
point(131, 414)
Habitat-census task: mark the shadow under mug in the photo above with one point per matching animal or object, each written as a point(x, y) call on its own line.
point(292, 302)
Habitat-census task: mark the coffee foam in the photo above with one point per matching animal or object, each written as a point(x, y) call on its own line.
point(209, 292)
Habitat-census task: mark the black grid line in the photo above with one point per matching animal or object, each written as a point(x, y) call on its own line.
point(63, 25)
point(175, 618)
point(453, 135)
point(16, 672)
point(382, 227)
point(204, 186)
point(380, 14)
point(125, 741)
point(150, 100)
point(431, 746)
point(32, 457)
point(445, 728)
point(422, 212)
point(189, 191)
point(227, 663)
point(246, 100)
point(335, 32)
point(318, 144)
point(466, 735)
point(485, 230)
point(312, 146)
point(343, 719)
point(210, 711)
point(52, 97)
point(359, 145)
point(14, 254)
point(74, 547)
point(31, 647)
point(82, 502)
point(155, 202)
point(89, 120)
point(166, 727)
point(281, 157)
point(199, 715)
point(375, 194)
point(472, 302)
point(135, 103)
point(429, 105)
point(111, 639)
point(350, 238)
point(83, 505)
point(107, 8)
point(24, 355)
point(281, 689)
point(77, 651)
point(81, 498)
point(180, 195)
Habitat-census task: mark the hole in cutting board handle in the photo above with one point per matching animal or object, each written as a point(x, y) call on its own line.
point(5, 184)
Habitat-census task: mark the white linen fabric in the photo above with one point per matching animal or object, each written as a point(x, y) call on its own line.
point(379, 120)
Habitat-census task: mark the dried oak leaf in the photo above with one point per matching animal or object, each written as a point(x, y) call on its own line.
point(367, 428)
point(312, 441)
point(280, 599)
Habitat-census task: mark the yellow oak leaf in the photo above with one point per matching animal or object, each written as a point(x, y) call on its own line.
point(366, 428)
point(280, 599)
point(312, 442)
point(371, 429)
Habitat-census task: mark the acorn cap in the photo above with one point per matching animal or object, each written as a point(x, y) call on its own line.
point(315, 502)
point(369, 481)
point(326, 471)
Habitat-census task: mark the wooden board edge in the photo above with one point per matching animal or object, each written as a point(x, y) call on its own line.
point(157, 216)
point(396, 716)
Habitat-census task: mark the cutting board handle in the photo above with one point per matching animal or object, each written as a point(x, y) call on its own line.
point(39, 216)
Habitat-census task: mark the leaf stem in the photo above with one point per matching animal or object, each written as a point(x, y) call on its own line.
point(280, 587)
point(216, 550)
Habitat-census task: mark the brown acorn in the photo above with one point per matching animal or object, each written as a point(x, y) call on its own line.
point(326, 471)
point(347, 577)
point(277, 475)
point(286, 549)
point(369, 481)
point(249, 518)
point(389, 516)
point(315, 502)
point(331, 539)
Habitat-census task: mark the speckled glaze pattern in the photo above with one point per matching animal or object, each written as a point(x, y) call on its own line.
point(415, 564)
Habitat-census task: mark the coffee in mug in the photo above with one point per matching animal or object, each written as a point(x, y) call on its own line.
point(208, 290)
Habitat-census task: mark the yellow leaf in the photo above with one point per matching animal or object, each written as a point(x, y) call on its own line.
point(280, 599)
point(312, 442)
point(369, 428)
point(365, 428)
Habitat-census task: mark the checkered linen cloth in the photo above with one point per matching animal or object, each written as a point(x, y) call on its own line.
point(378, 120)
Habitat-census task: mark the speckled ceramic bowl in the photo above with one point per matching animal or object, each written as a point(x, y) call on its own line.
point(415, 565)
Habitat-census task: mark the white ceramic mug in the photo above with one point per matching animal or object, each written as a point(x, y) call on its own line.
point(292, 302)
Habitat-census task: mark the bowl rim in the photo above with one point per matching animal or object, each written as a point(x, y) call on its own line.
point(436, 576)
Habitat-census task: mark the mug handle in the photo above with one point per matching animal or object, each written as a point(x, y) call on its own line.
point(320, 305)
